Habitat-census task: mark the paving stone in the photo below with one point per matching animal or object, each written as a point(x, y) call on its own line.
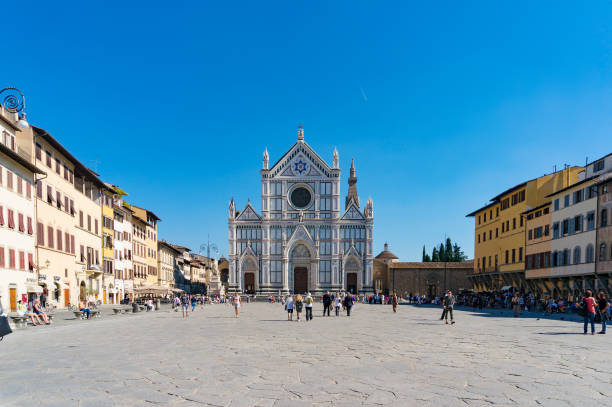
point(374, 358)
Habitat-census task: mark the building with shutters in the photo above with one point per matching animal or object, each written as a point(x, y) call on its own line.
point(123, 249)
point(17, 233)
point(302, 239)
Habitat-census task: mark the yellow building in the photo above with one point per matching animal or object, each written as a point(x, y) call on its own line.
point(150, 242)
point(499, 239)
point(108, 255)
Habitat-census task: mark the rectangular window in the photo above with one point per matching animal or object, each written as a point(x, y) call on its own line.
point(275, 271)
point(507, 256)
point(58, 200)
point(325, 204)
point(67, 241)
point(565, 227)
point(557, 204)
point(598, 166)
point(21, 260)
point(38, 152)
point(566, 201)
point(325, 188)
point(40, 233)
point(50, 237)
point(513, 223)
point(9, 180)
point(30, 228)
point(325, 271)
point(590, 220)
point(58, 166)
point(96, 226)
point(19, 185)
point(11, 219)
point(11, 258)
point(21, 222)
point(48, 154)
point(72, 246)
point(59, 240)
point(530, 235)
point(556, 230)
point(513, 255)
point(496, 232)
point(520, 259)
point(89, 222)
point(546, 230)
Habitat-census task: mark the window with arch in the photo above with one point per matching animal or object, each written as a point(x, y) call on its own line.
point(590, 254)
point(602, 252)
point(566, 257)
point(577, 255)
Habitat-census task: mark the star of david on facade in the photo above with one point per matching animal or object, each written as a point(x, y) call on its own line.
point(300, 166)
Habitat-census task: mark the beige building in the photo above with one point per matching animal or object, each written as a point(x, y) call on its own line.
point(150, 241)
point(538, 245)
point(167, 264)
point(17, 231)
point(56, 205)
point(139, 251)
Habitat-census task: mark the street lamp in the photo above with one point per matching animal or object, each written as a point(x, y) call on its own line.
point(14, 101)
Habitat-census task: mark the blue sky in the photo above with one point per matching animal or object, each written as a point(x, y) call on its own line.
point(443, 105)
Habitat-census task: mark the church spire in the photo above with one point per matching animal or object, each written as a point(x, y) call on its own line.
point(300, 133)
point(266, 159)
point(352, 192)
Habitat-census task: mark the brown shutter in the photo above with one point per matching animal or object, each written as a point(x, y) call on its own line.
point(50, 236)
point(1, 256)
point(72, 247)
point(40, 232)
point(59, 239)
point(1, 216)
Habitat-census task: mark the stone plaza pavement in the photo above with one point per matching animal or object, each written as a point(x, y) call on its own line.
point(373, 358)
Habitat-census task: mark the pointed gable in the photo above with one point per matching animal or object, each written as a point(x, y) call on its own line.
point(248, 213)
point(301, 161)
point(352, 213)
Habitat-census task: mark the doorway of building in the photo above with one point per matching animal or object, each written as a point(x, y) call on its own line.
point(351, 283)
point(249, 283)
point(432, 290)
point(82, 291)
point(13, 299)
point(300, 280)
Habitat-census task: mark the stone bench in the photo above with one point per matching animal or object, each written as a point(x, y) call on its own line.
point(20, 321)
point(79, 314)
point(95, 313)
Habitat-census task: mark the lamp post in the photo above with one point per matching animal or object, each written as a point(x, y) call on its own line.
point(13, 100)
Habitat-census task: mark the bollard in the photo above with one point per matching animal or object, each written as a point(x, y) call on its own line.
point(134, 307)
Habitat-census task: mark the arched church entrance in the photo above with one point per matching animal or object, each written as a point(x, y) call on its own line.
point(300, 261)
point(352, 268)
point(249, 267)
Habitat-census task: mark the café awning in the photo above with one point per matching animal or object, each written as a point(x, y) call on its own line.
point(31, 288)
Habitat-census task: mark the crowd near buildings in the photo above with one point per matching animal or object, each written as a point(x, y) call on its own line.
point(66, 235)
point(550, 236)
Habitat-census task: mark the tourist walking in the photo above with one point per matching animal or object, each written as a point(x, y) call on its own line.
point(444, 306)
point(185, 305)
point(194, 302)
point(337, 304)
point(516, 304)
point(299, 303)
point(604, 306)
point(308, 305)
point(236, 302)
point(326, 303)
point(449, 303)
point(588, 305)
point(348, 304)
point(394, 301)
point(289, 307)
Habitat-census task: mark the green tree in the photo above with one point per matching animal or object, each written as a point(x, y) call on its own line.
point(442, 252)
point(435, 256)
point(448, 250)
point(424, 255)
point(458, 254)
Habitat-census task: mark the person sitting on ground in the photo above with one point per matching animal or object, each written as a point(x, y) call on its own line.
point(39, 312)
point(83, 308)
point(23, 311)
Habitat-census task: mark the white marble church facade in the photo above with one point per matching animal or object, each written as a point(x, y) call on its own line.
point(302, 240)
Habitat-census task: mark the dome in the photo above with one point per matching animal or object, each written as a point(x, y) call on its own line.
point(386, 254)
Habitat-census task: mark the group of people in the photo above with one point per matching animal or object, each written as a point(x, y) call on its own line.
point(185, 301)
point(36, 313)
point(591, 307)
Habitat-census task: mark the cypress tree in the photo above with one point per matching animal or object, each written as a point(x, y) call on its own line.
point(442, 252)
point(449, 250)
point(435, 256)
point(424, 255)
